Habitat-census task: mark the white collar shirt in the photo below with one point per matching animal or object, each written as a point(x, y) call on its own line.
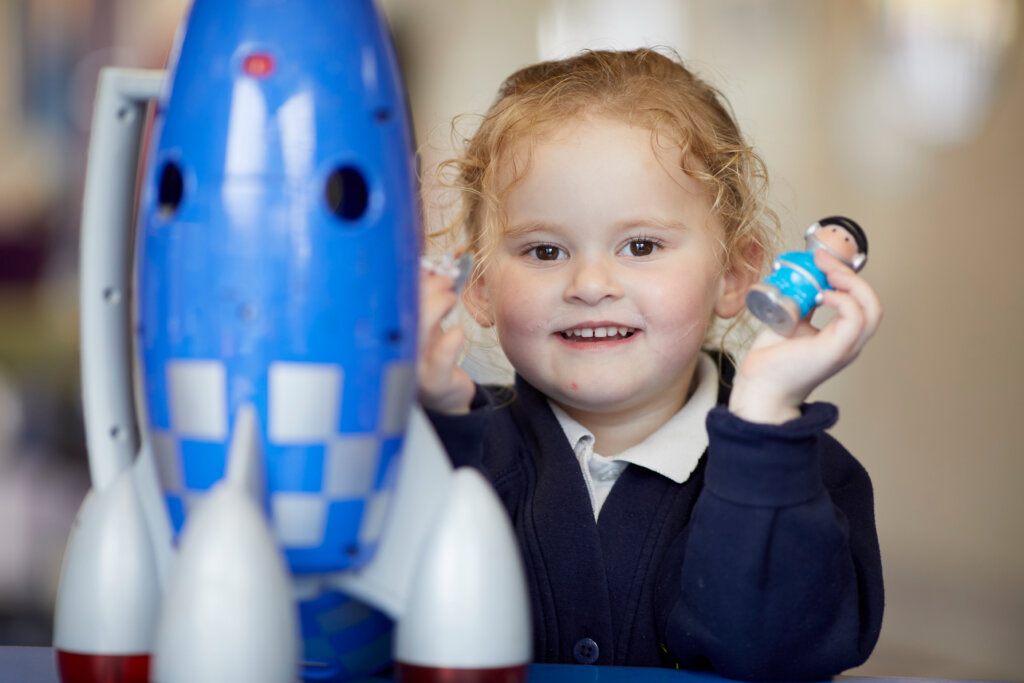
point(673, 450)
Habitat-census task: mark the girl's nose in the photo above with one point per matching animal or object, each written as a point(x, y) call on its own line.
point(592, 281)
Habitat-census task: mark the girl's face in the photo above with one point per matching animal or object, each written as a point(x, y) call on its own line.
point(608, 273)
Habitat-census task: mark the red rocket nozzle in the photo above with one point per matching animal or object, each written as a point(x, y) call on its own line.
point(82, 668)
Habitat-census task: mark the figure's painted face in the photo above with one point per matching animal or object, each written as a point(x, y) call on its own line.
point(838, 239)
point(608, 272)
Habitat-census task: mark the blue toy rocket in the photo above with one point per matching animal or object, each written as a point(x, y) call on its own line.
point(272, 476)
point(278, 267)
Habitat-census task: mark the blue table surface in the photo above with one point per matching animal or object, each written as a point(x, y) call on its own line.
point(36, 665)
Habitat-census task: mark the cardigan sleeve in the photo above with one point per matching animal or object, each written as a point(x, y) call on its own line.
point(463, 435)
point(486, 439)
point(777, 574)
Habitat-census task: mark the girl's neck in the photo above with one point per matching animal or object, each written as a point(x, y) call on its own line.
point(617, 430)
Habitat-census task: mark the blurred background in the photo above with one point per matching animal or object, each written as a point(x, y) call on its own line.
point(904, 114)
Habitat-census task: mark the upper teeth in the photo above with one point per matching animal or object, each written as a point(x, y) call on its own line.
point(598, 332)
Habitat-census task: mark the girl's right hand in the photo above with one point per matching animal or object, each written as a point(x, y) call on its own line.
point(444, 387)
point(778, 374)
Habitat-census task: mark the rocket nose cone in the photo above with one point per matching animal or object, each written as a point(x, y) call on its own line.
point(469, 603)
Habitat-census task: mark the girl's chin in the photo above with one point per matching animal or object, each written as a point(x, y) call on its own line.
point(584, 395)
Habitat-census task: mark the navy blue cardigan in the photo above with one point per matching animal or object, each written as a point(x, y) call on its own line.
point(763, 565)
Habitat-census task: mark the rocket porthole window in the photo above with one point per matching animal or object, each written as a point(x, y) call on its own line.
point(347, 194)
point(170, 190)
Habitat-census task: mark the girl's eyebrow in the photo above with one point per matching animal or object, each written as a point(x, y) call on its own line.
point(655, 222)
point(523, 229)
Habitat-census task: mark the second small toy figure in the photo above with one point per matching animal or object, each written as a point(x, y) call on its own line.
point(796, 286)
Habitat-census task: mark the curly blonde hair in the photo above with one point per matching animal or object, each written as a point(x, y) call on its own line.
point(643, 88)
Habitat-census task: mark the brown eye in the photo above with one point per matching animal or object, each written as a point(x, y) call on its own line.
point(641, 247)
point(546, 252)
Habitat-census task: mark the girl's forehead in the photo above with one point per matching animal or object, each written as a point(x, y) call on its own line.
point(600, 172)
point(517, 154)
point(558, 129)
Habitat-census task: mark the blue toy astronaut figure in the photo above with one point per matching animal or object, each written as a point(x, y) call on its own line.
point(796, 286)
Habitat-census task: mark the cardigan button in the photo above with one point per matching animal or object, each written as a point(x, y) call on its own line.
point(585, 651)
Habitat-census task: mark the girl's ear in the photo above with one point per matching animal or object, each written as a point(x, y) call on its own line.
point(740, 275)
point(476, 300)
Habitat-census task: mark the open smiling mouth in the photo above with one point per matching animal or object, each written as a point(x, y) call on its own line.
point(596, 334)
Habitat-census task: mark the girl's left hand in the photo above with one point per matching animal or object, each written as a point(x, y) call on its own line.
point(779, 373)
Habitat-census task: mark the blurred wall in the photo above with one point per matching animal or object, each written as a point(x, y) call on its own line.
point(929, 163)
point(50, 55)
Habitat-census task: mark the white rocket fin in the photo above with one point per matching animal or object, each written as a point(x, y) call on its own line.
point(423, 485)
point(228, 613)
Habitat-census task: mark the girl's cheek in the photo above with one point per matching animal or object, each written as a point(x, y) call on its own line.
point(521, 314)
point(515, 317)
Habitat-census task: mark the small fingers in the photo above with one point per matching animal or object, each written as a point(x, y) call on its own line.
point(846, 281)
point(443, 385)
point(437, 300)
point(433, 284)
point(849, 318)
point(864, 294)
point(449, 346)
point(851, 328)
point(440, 357)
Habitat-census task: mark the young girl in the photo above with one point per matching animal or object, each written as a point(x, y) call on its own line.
point(667, 515)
